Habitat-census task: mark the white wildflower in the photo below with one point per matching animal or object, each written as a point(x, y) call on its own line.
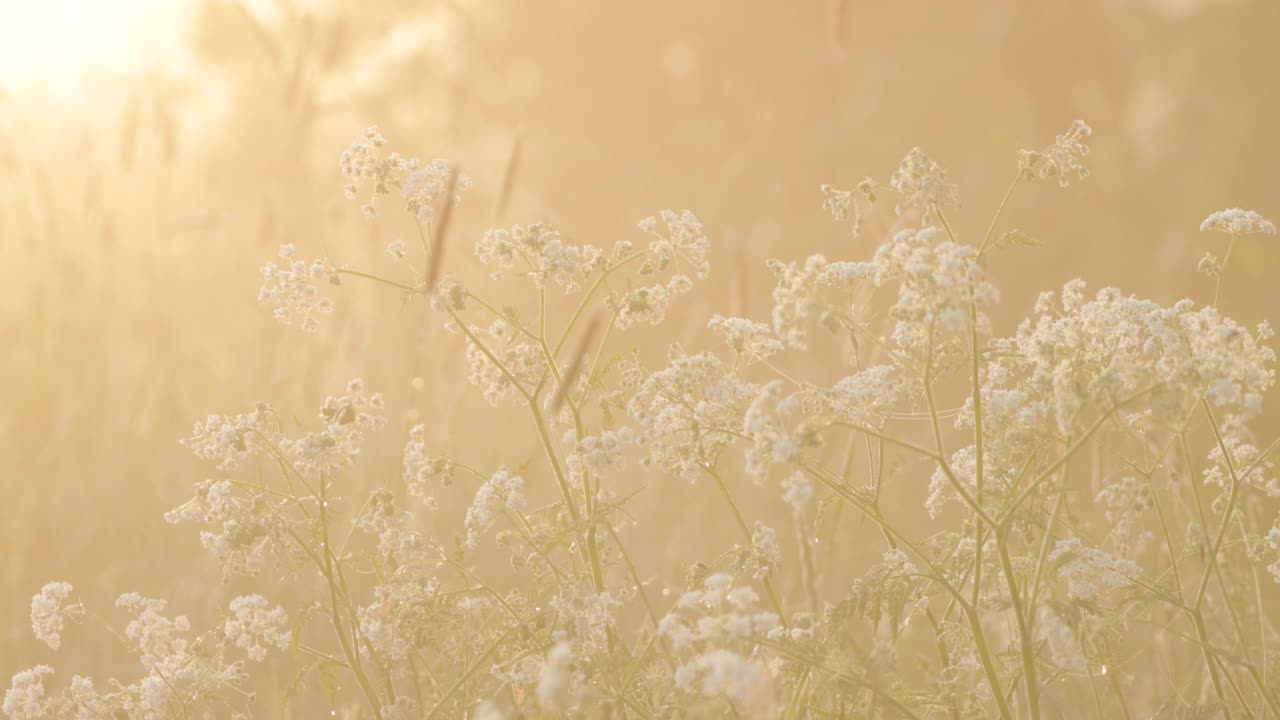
point(867, 396)
point(541, 249)
point(230, 440)
point(242, 526)
point(689, 411)
point(649, 303)
point(501, 490)
point(937, 279)
point(683, 242)
point(158, 638)
point(1064, 646)
point(487, 710)
point(589, 616)
point(420, 467)
point(764, 540)
point(347, 418)
point(1273, 542)
point(422, 184)
point(723, 673)
point(25, 699)
point(553, 681)
point(767, 423)
point(419, 184)
point(1244, 456)
point(1235, 221)
point(601, 450)
point(752, 341)
point(1063, 159)
point(82, 697)
point(843, 203)
point(254, 625)
point(1209, 265)
point(922, 183)
point(798, 490)
point(291, 288)
point(48, 613)
point(1124, 502)
point(1089, 571)
point(524, 362)
point(795, 297)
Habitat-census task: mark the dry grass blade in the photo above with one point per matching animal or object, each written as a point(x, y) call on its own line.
point(92, 191)
point(579, 361)
point(837, 12)
point(436, 259)
point(739, 281)
point(167, 128)
point(259, 31)
point(129, 131)
point(509, 176)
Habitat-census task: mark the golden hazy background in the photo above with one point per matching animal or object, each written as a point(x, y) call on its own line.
point(154, 154)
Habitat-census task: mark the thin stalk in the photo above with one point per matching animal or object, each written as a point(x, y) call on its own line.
point(970, 612)
point(986, 239)
point(475, 665)
point(1217, 279)
point(573, 319)
point(350, 652)
point(378, 278)
point(746, 533)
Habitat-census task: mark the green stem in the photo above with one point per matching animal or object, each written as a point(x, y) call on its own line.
point(475, 665)
point(577, 313)
point(350, 652)
point(378, 278)
point(986, 239)
point(1217, 281)
point(746, 533)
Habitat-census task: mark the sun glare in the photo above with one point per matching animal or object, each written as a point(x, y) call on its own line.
point(53, 47)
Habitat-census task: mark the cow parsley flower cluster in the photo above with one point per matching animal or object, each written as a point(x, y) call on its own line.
point(676, 238)
point(844, 203)
point(229, 440)
point(502, 360)
point(254, 626)
point(1089, 571)
point(1064, 159)
point(921, 182)
point(540, 252)
point(502, 490)
point(1234, 221)
point(291, 288)
point(25, 699)
point(751, 341)
point(418, 183)
point(688, 412)
point(1108, 496)
point(49, 613)
point(715, 627)
point(421, 468)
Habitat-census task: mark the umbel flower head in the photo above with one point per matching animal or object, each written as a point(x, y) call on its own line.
point(1063, 159)
point(922, 183)
point(418, 182)
point(49, 612)
point(1235, 221)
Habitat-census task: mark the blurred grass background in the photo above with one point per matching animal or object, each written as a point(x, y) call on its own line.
point(136, 208)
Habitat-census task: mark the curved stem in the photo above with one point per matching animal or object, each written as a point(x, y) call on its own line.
point(746, 533)
point(378, 278)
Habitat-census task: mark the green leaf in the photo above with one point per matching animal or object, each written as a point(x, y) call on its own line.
point(1018, 238)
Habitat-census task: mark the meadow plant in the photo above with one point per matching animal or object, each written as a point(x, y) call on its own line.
point(1092, 531)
